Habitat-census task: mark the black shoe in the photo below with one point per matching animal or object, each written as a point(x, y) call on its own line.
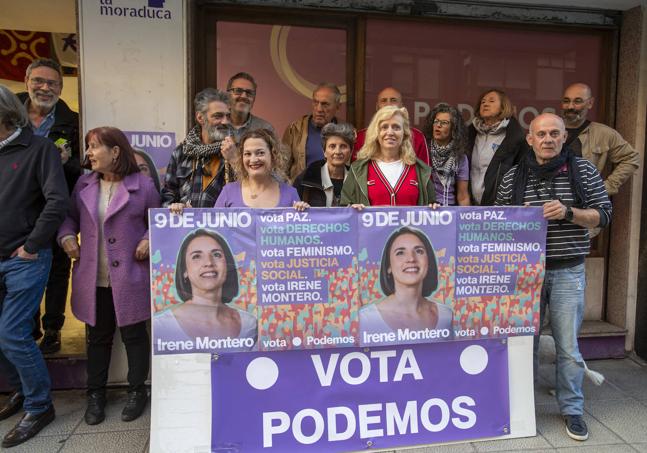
point(135, 405)
point(51, 342)
point(94, 413)
point(575, 427)
point(28, 426)
point(12, 405)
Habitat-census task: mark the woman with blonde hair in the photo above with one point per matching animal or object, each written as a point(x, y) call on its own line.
point(387, 172)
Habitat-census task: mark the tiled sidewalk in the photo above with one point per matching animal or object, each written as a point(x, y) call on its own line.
point(616, 413)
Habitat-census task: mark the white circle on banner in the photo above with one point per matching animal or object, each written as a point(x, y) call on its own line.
point(262, 373)
point(474, 359)
point(484, 330)
point(296, 341)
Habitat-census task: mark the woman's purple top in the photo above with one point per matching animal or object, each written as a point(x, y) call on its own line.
point(447, 195)
point(231, 196)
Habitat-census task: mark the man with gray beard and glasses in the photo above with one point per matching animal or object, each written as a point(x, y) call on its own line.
point(51, 117)
point(597, 142)
point(199, 166)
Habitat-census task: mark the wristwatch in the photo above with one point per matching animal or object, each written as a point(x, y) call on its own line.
point(568, 215)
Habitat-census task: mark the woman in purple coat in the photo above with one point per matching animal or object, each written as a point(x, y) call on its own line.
point(110, 278)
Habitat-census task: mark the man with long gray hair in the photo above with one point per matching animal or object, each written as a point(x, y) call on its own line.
point(199, 167)
point(34, 198)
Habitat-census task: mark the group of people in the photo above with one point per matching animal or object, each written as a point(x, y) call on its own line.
point(232, 158)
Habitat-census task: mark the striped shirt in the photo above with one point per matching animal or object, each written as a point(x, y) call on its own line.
point(565, 240)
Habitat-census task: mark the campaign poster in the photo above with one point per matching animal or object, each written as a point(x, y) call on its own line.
point(203, 281)
point(406, 266)
point(158, 146)
point(307, 278)
point(500, 264)
point(353, 399)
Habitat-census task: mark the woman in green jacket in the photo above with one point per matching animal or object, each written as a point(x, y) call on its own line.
point(387, 172)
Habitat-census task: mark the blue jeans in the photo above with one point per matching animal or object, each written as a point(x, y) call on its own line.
point(20, 359)
point(563, 292)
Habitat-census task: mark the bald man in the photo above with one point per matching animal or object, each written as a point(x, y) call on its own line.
point(571, 193)
point(391, 96)
point(596, 142)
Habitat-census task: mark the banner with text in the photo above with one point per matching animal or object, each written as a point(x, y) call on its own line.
point(226, 280)
point(351, 400)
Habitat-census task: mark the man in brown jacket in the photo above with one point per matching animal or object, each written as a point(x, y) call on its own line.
point(303, 136)
point(597, 142)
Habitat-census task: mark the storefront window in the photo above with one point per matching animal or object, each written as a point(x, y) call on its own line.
point(287, 62)
point(433, 62)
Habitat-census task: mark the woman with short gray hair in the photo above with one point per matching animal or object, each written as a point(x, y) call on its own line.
point(320, 184)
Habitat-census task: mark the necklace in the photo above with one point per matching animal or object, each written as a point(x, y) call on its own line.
point(253, 195)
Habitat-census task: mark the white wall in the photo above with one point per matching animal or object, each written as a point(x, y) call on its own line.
point(133, 69)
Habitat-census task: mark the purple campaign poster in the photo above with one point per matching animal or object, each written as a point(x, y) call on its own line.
point(307, 278)
point(352, 399)
point(158, 145)
point(336, 277)
point(406, 259)
point(203, 281)
point(499, 271)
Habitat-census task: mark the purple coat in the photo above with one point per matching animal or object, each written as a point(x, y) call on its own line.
point(126, 224)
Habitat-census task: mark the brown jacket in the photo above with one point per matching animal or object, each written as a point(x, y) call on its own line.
point(601, 143)
point(295, 137)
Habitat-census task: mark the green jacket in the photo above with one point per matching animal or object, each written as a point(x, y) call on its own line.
point(355, 190)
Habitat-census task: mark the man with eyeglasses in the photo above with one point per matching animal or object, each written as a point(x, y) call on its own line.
point(303, 136)
point(596, 142)
point(391, 96)
point(199, 166)
point(51, 117)
point(242, 90)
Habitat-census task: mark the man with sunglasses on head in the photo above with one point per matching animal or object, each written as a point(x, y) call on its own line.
point(242, 90)
point(596, 142)
point(50, 117)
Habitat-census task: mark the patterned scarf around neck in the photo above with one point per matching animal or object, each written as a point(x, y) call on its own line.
point(443, 159)
point(195, 149)
point(480, 125)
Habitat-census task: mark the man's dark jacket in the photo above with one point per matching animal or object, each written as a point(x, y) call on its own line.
point(66, 125)
point(33, 193)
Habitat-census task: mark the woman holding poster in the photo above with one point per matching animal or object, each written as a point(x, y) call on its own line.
point(387, 172)
point(260, 178)
point(408, 275)
point(206, 280)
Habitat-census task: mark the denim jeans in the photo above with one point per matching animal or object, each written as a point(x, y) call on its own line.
point(563, 292)
point(20, 359)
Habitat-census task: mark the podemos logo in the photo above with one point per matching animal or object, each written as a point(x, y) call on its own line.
point(151, 9)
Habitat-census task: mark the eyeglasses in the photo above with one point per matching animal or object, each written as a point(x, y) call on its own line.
point(38, 82)
point(239, 91)
point(441, 123)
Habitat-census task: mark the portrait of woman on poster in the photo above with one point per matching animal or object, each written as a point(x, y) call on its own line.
point(408, 275)
point(206, 279)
